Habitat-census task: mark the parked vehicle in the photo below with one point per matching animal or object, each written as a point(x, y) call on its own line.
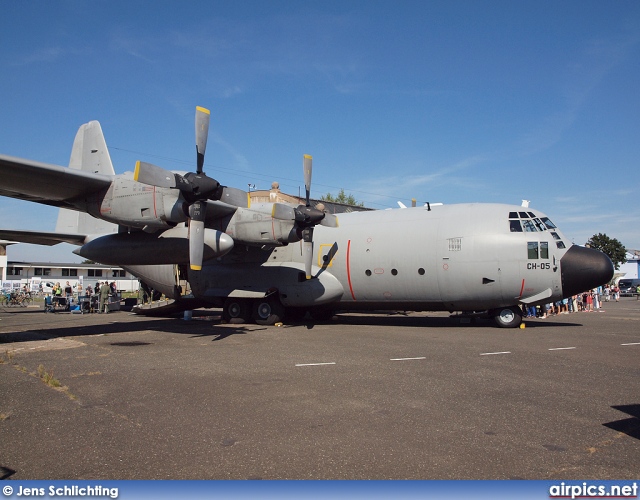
point(628, 287)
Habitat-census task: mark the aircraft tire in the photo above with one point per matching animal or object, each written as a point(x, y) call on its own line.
point(268, 311)
point(507, 317)
point(235, 311)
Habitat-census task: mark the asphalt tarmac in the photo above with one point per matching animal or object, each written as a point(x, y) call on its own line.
point(364, 396)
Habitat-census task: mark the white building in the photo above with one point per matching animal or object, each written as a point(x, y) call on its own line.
point(629, 270)
point(32, 274)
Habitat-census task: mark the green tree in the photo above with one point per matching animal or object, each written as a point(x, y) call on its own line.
point(610, 246)
point(343, 198)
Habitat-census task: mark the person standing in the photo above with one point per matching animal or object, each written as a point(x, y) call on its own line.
point(104, 297)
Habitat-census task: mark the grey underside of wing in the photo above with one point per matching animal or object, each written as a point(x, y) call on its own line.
point(41, 237)
point(48, 184)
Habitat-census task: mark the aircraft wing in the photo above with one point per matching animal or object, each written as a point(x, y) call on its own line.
point(47, 184)
point(42, 237)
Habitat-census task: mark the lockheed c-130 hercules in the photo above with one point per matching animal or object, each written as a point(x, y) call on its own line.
point(204, 244)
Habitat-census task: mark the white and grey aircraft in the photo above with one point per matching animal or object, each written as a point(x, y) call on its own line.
point(204, 244)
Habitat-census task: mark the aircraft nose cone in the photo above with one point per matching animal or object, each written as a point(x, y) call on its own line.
point(584, 268)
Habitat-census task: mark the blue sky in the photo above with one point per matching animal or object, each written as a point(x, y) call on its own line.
point(442, 101)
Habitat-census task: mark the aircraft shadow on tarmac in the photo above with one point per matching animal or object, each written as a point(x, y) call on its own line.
point(208, 324)
point(194, 328)
point(628, 426)
point(454, 321)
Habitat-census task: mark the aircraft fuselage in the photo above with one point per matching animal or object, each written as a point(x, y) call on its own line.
point(467, 257)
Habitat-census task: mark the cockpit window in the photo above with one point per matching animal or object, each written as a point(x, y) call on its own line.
point(527, 222)
point(548, 223)
point(544, 249)
point(515, 226)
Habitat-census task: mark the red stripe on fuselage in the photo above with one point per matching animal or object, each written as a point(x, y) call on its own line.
point(349, 269)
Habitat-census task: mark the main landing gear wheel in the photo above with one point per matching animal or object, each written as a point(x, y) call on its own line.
point(507, 317)
point(236, 311)
point(268, 311)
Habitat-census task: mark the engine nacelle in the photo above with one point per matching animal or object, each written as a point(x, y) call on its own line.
point(134, 204)
point(253, 227)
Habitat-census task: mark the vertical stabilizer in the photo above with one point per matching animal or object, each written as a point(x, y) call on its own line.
point(89, 153)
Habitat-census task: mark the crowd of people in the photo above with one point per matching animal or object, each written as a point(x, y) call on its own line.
point(97, 297)
point(588, 301)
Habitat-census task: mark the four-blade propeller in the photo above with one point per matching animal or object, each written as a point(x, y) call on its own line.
point(196, 187)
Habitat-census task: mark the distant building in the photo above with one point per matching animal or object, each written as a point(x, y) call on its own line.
point(630, 268)
point(274, 195)
point(16, 274)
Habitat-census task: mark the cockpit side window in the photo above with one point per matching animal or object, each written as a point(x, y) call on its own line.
point(544, 249)
point(514, 226)
point(548, 223)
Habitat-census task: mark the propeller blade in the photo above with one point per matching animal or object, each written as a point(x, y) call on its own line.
point(197, 212)
point(203, 116)
point(281, 211)
point(329, 220)
point(154, 175)
point(235, 197)
point(307, 250)
point(306, 167)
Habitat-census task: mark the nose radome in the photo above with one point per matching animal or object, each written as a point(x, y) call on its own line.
point(584, 268)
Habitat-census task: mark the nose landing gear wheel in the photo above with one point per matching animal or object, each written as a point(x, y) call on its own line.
point(508, 317)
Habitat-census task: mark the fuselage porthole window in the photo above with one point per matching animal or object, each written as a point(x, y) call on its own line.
point(368, 272)
point(421, 272)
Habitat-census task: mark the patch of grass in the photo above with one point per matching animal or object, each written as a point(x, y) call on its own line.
point(47, 377)
point(8, 358)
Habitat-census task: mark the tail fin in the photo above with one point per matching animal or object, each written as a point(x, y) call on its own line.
point(89, 153)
